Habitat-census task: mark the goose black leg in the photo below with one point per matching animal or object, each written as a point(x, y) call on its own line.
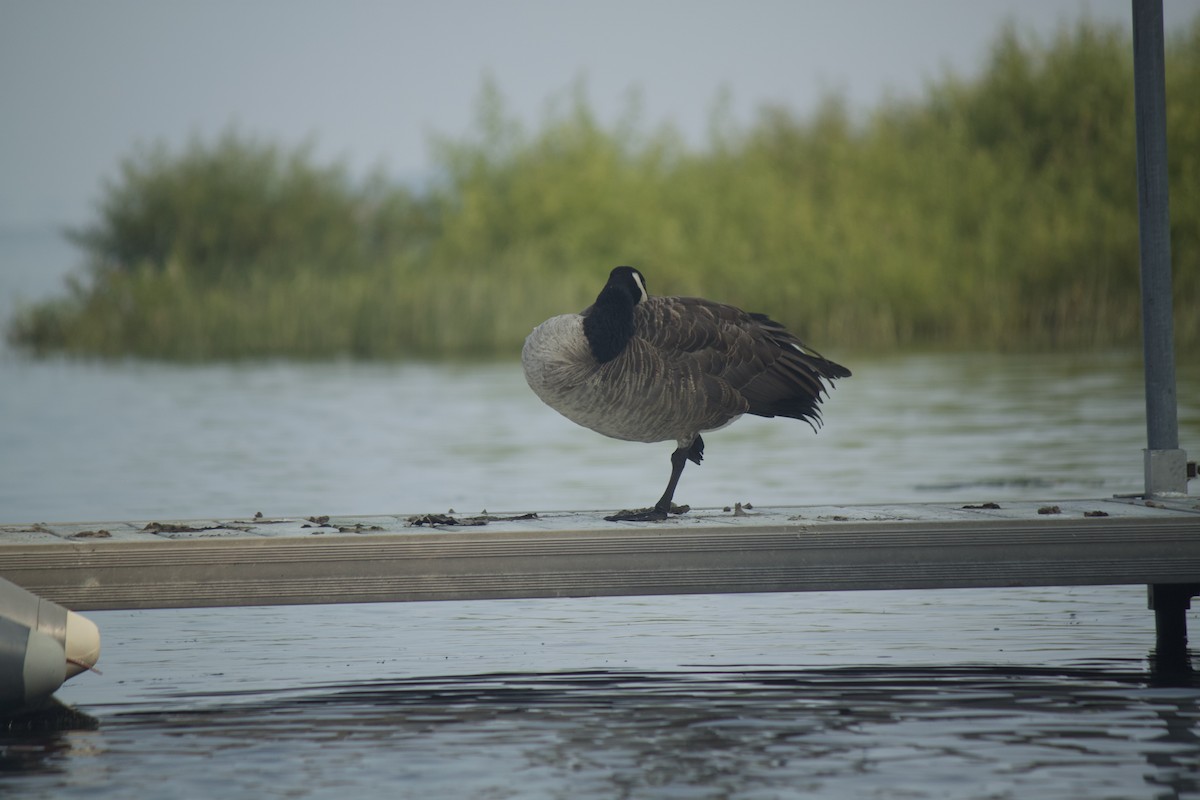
point(663, 508)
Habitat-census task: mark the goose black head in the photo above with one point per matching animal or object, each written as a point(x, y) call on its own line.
point(608, 324)
point(629, 281)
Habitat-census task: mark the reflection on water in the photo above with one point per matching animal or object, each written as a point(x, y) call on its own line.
point(1096, 731)
point(1034, 692)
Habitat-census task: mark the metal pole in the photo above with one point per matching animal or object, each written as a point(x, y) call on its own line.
point(1170, 659)
point(1165, 463)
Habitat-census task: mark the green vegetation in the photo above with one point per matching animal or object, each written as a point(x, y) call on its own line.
point(993, 212)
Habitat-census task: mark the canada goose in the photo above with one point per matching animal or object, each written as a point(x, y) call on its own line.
point(651, 369)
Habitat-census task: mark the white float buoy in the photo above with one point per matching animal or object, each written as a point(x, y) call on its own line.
point(41, 645)
point(81, 644)
point(44, 669)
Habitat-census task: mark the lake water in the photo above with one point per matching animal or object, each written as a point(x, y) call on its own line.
point(969, 693)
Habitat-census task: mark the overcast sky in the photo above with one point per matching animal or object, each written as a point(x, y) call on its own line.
point(82, 83)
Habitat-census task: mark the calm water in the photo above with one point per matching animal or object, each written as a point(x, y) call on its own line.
point(990, 694)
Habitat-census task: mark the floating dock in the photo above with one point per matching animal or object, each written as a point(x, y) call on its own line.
point(271, 561)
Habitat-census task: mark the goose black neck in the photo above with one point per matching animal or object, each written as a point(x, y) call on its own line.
point(608, 326)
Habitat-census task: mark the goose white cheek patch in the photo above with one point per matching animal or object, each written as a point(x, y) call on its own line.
point(637, 278)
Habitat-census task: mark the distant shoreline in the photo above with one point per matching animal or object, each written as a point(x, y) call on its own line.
point(993, 213)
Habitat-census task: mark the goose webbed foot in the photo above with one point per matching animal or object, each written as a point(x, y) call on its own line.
point(654, 514)
point(693, 451)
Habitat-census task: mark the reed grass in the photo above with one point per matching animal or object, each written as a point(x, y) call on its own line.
point(994, 212)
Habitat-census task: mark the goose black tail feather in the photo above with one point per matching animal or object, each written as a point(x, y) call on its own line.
point(797, 381)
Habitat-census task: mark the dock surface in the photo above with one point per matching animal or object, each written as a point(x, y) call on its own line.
point(416, 557)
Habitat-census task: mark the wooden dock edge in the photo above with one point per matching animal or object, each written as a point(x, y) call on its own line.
point(576, 554)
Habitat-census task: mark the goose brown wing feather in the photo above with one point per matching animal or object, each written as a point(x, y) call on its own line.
point(746, 363)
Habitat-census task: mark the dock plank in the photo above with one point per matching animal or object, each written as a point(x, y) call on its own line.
point(269, 561)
